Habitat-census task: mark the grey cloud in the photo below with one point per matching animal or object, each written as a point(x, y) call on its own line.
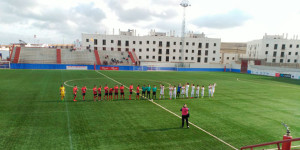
point(138, 14)
point(230, 19)
point(89, 10)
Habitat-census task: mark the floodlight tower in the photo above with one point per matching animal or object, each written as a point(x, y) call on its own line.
point(184, 4)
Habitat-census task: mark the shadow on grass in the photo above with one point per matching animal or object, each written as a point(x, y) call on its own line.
point(162, 129)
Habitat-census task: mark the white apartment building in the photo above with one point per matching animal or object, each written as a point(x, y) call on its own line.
point(274, 49)
point(157, 46)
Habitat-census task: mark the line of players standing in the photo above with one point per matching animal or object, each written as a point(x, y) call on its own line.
point(181, 91)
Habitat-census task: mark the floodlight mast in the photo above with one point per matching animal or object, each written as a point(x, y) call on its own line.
point(184, 4)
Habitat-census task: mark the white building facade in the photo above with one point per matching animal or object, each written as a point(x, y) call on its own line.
point(274, 49)
point(158, 47)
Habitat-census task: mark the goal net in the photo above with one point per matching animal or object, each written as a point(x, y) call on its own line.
point(4, 65)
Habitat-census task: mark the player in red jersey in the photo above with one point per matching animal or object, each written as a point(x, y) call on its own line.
point(83, 90)
point(122, 91)
point(99, 93)
point(106, 92)
point(116, 88)
point(110, 93)
point(137, 92)
point(130, 91)
point(95, 92)
point(75, 93)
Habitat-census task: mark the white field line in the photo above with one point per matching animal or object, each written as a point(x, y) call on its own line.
point(175, 114)
point(69, 126)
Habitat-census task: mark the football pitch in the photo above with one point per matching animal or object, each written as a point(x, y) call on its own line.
point(243, 112)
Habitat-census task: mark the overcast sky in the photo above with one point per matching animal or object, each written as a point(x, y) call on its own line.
point(57, 21)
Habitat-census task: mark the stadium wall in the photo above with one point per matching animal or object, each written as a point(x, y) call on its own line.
point(275, 71)
point(214, 68)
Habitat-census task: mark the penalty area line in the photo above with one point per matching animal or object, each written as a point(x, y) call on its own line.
point(173, 113)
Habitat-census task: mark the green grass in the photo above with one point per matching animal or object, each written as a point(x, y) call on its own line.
point(244, 112)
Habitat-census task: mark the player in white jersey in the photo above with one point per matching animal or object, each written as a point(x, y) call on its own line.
point(174, 91)
point(170, 91)
point(182, 91)
point(197, 91)
point(202, 91)
point(209, 90)
point(213, 89)
point(193, 91)
point(187, 90)
point(162, 90)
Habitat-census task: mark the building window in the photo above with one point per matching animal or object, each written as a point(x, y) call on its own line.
point(133, 42)
point(168, 44)
point(297, 46)
point(281, 60)
point(214, 52)
point(173, 57)
point(167, 51)
point(205, 60)
point(167, 58)
point(159, 58)
point(266, 52)
point(193, 43)
point(179, 50)
point(159, 51)
point(160, 44)
point(133, 49)
point(147, 56)
point(275, 46)
point(112, 49)
point(96, 42)
point(193, 51)
point(215, 44)
point(206, 45)
point(227, 58)
point(111, 41)
point(283, 46)
point(147, 49)
point(87, 40)
point(291, 46)
point(119, 49)
point(153, 49)
point(295, 61)
point(140, 50)
point(153, 57)
point(186, 51)
point(186, 58)
point(267, 45)
point(140, 57)
point(174, 43)
point(127, 49)
point(199, 52)
point(154, 42)
point(126, 43)
point(282, 54)
point(174, 50)
point(296, 53)
point(141, 42)
point(206, 52)
point(187, 43)
point(200, 45)
point(213, 59)
point(192, 58)
point(119, 42)
point(180, 43)
point(199, 59)
point(148, 42)
point(288, 60)
point(273, 60)
point(179, 58)
point(95, 48)
point(274, 54)
point(290, 53)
